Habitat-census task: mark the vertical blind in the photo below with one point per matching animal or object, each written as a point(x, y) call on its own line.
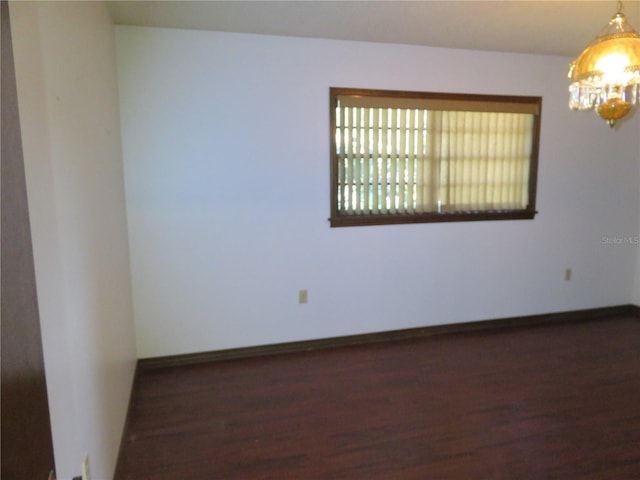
point(407, 155)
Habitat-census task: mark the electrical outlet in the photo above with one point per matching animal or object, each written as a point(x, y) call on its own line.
point(303, 296)
point(86, 470)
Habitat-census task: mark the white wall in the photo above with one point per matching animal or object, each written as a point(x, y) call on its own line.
point(226, 151)
point(636, 290)
point(67, 91)
point(636, 286)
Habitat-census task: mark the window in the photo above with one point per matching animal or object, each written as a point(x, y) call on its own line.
point(409, 157)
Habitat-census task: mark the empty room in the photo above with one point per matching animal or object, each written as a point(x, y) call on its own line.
point(321, 240)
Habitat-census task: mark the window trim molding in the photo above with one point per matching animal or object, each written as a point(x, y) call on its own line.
point(528, 213)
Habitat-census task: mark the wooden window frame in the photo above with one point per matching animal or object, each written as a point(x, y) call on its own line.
point(339, 219)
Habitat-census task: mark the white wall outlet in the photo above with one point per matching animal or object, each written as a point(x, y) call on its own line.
point(303, 296)
point(567, 274)
point(86, 470)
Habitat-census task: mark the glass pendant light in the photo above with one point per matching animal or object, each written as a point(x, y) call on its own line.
point(605, 77)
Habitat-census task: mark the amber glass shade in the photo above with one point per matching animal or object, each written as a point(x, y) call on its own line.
point(605, 77)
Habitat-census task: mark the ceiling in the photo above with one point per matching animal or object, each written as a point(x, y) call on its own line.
point(540, 27)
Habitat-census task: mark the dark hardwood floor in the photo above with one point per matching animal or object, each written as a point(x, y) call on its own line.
point(538, 403)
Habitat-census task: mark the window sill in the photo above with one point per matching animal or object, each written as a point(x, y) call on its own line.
point(399, 218)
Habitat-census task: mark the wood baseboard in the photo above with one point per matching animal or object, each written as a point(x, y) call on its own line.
point(308, 345)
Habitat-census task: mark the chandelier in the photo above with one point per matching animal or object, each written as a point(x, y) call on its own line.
point(605, 77)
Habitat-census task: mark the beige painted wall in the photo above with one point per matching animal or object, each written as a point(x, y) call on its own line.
point(67, 91)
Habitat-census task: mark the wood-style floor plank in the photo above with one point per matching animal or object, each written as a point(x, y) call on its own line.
point(555, 402)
